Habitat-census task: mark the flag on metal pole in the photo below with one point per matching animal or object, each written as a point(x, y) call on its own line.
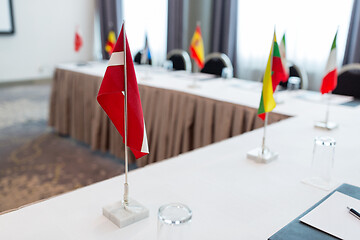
point(111, 98)
point(110, 43)
point(78, 41)
point(329, 81)
point(197, 47)
point(274, 74)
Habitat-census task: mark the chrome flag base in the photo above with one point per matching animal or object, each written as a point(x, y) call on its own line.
point(123, 215)
point(326, 125)
point(259, 157)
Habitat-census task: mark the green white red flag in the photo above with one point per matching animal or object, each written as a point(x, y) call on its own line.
point(282, 49)
point(329, 81)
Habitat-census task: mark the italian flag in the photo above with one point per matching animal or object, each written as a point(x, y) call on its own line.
point(282, 49)
point(274, 73)
point(329, 81)
point(197, 48)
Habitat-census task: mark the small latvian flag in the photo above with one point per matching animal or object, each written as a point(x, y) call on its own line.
point(78, 41)
point(111, 98)
point(329, 81)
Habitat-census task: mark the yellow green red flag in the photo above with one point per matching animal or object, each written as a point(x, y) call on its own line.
point(197, 47)
point(274, 73)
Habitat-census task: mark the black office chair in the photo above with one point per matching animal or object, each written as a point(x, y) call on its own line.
point(137, 58)
point(180, 59)
point(218, 64)
point(349, 81)
point(296, 71)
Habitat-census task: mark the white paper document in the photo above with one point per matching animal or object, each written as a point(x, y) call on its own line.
point(333, 217)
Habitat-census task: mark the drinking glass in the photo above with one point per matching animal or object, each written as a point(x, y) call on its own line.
point(322, 163)
point(174, 222)
point(293, 83)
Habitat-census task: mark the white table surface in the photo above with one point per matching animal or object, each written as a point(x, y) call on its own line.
point(231, 197)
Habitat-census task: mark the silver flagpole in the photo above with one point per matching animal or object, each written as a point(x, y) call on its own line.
point(327, 109)
point(126, 185)
point(264, 137)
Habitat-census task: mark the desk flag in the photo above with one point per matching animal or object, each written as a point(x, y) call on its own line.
point(282, 50)
point(146, 55)
point(274, 73)
point(197, 48)
point(78, 41)
point(110, 44)
point(329, 81)
point(111, 98)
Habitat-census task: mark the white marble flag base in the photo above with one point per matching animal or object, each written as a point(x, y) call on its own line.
point(257, 156)
point(122, 215)
point(194, 85)
point(326, 125)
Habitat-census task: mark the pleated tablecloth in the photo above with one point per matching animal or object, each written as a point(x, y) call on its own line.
point(176, 122)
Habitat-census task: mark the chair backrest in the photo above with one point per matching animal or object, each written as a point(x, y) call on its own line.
point(215, 62)
point(180, 59)
point(296, 71)
point(349, 81)
point(137, 58)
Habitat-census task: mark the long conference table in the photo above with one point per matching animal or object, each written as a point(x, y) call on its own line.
point(231, 196)
point(177, 118)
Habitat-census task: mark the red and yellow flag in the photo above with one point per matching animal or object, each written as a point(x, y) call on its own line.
point(197, 48)
point(110, 44)
point(274, 73)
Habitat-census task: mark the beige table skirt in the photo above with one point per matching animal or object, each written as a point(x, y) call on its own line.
point(176, 122)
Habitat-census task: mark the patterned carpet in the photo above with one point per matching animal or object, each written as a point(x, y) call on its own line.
point(36, 163)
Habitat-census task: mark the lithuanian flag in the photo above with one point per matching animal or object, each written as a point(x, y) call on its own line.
point(110, 44)
point(329, 81)
point(197, 48)
point(274, 73)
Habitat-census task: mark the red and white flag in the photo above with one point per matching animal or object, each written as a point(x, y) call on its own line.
point(78, 41)
point(111, 98)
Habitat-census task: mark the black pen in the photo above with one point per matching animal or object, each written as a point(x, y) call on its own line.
point(354, 213)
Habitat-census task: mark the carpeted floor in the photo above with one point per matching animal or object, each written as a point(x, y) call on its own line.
point(36, 163)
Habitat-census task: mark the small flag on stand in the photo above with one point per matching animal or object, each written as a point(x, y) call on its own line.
point(78, 41)
point(111, 98)
point(329, 81)
point(282, 50)
point(146, 55)
point(120, 99)
point(110, 43)
point(328, 84)
point(197, 48)
point(274, 73)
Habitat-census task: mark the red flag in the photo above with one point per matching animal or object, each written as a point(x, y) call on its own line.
point(78, 41)
point(111, 98)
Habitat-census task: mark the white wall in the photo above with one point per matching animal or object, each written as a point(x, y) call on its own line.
point(44, 37)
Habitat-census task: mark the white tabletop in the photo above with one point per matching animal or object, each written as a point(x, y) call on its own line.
point(231, 197)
